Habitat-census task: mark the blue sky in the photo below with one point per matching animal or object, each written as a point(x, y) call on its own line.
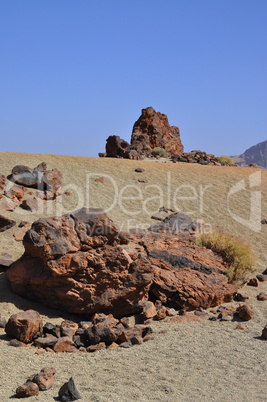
point(73, 72)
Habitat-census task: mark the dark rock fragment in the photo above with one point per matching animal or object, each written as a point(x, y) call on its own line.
point(69, 392)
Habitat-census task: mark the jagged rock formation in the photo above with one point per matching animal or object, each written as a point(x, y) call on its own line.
point(152, 130)
point(255, 154)
point(81, 263)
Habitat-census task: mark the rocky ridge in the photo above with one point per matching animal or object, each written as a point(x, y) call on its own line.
point(152, 136)
point(257, 154)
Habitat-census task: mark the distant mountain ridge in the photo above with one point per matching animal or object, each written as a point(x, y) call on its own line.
point(255, 154)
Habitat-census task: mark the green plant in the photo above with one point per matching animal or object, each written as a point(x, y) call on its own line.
point(234, 251)
point(226, 160)
point(160, 152)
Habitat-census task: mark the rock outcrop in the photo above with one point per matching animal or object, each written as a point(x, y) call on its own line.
point(153, 130)
point(82, 263)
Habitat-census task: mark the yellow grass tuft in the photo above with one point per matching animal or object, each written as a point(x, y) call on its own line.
point(226, 160)
point(160, 152)
point(235, 252)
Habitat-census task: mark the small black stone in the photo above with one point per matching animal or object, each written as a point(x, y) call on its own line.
point(69, 392)
point(213, 318)
point(240, 297)
point(51, 329)
point(262, 277)
point(139, 170)
point(147, 330)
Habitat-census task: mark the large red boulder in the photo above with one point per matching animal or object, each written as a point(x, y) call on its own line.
point(153, 130)
point(79, 262)
point(75, 262)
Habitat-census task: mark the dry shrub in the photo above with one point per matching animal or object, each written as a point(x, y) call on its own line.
point(160, 152)
point(234, 251)
point(226, 160)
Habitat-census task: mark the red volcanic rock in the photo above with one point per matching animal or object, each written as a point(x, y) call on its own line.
point(95, 348)
point(253, 282)
point(115, 146)
point(162, 313)
point(189, 289)
point(128, 333)
point(262, 296)
point(33, 205)
point(77, 262)
point(186, 276)
point(6, 223)
point(149, 309)
point(16, 344)
point(64, 344)
point(16, 193)
point(24, 326)
point(44, 379)
point(245, 312)
point(68, 328)
point(108, 320)
point(26, 390)
point(114, 345)
point(152, 130)
point(264, 332)
point(21, 232)
point(241, 326)
point(8, 205)
point(2, 182)
point(82, 248)
point(52, 180)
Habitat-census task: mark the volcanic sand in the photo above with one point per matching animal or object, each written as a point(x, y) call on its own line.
point(207, 360)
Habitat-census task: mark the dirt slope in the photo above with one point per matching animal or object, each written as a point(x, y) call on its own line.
point(209, 361)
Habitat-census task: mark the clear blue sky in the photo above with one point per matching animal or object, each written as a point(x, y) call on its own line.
point(74, 72)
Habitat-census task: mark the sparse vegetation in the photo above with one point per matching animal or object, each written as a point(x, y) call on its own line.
point(226, 160)
point(235, 252)
point(160, 152)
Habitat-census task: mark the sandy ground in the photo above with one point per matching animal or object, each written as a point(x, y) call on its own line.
point(207, 361)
